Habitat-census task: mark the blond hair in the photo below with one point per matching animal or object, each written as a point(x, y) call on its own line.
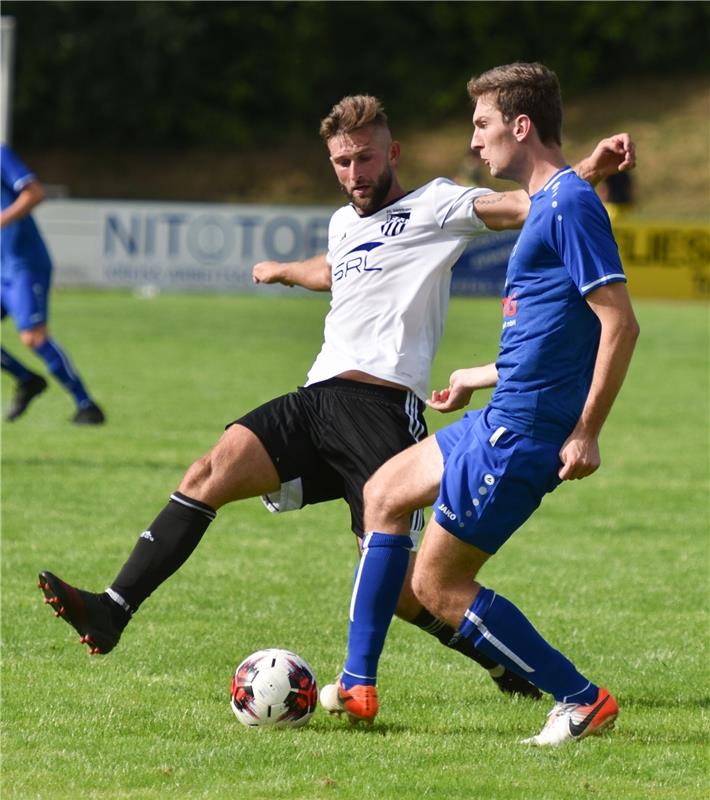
point(351, 113)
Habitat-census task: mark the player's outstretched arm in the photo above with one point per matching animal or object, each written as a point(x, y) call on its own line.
point(509, 210)
point(31, 196)
point(313, 273)
point(614, 154)
point(619, 330)
point(503, 210)
point(462, 384)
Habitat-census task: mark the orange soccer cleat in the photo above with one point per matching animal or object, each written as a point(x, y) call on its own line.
point(359, 702)
point(568, 722)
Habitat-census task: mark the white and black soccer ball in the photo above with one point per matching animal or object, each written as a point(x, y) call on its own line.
point(274, 688)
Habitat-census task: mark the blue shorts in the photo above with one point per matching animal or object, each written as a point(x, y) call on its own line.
point(25, 297)
point(493, 480)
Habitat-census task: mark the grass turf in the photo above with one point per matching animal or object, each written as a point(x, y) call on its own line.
point(613, 569)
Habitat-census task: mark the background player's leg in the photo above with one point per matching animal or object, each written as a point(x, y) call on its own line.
point(61, 367)
point(14, 367)
point(29, 384)
point(29, 307)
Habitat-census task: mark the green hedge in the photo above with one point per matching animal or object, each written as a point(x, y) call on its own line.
point(181, 73)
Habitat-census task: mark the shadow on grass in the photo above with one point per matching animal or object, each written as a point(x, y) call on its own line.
point(702, 701)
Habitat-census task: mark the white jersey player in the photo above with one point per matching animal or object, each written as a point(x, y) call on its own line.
point(391, 278)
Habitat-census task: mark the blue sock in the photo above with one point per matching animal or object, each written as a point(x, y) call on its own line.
point(500, 630)
point(14, 367)
point(378, 583)
point(61, 367)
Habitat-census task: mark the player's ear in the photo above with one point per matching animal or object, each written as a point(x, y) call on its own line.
point(395, 151)
point(522, 126)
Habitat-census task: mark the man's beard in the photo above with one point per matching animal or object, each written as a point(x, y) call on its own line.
point(372, 203)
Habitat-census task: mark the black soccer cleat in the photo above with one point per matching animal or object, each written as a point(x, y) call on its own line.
point(90, 614)
point(24, 395)
point(510, 683)
point(89, 415)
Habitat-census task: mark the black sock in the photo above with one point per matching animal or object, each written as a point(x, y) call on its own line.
point(120, 615)
point(162, 548)
point(447, 636)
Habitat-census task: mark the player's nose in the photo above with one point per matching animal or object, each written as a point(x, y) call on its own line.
point(354, 173)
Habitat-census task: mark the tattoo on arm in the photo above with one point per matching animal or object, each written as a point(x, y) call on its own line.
point(490, 199)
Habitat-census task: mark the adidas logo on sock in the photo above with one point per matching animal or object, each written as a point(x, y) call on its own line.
point(147, 535)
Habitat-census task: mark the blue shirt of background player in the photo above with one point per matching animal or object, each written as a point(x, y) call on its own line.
point(550, 334)
point(21, 244)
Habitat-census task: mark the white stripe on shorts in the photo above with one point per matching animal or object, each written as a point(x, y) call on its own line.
point(411, 407)
point(497, 433)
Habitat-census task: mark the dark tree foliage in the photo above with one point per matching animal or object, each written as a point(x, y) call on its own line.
point(216, 73)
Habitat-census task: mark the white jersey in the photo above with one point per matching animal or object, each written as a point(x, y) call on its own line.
point(391, 280)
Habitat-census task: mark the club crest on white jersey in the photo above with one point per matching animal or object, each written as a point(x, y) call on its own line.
point(396, 221)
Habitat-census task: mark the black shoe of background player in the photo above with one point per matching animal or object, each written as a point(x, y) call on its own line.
point(89, 415)
point(510, 683)
point(24, 395)
point(95, 617)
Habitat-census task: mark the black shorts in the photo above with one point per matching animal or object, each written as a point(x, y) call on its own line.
point(327, 439)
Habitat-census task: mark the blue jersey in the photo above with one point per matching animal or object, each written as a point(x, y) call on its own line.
point(550, 334)
point(21, 245)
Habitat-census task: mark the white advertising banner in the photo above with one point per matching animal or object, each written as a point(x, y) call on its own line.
point(175, 246)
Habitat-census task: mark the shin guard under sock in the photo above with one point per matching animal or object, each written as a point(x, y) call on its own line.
point(161, 549)
point(378, 583)
point(499, 629)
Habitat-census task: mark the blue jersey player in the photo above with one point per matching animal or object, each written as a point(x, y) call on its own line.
point(568, 335)
point(26, 271)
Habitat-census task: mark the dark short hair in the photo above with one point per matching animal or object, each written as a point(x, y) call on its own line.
point(351, 113)
point(530, 89)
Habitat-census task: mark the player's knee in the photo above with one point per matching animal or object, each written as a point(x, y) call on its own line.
point(382, 511)
point(197, 477)
point(370, 496)
point(34, 338)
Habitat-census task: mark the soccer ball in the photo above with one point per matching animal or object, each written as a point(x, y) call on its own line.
point(274, 687)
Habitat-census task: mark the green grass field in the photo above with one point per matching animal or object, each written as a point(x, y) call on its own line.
point(613, 569)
